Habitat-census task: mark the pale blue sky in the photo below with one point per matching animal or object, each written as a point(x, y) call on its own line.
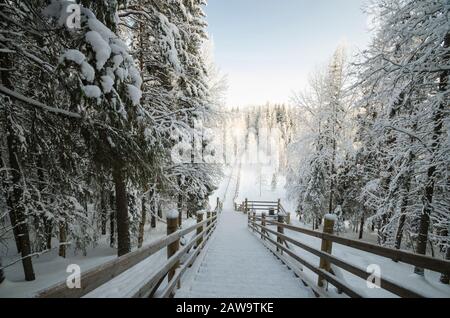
point(268, 47)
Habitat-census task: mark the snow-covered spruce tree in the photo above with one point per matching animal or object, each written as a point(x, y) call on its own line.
point(39, 155)
point(405, 73)
point(325, 113)
point(108, 92)
point(195, 180)
point(155, 44)
point(161, 34)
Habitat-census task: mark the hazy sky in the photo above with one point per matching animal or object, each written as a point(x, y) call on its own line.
point(268, 47)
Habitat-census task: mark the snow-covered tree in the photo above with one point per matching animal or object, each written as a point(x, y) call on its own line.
point(323, 144)
point(405, 78)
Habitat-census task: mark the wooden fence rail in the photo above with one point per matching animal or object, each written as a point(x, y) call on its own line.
point(324, 270)
point(98, 276)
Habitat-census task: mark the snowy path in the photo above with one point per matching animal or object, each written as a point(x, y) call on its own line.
point(237, 265)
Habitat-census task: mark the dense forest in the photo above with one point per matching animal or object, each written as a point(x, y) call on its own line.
point(93, 98)
point(374, 141)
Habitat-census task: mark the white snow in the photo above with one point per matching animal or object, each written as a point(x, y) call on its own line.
point(92, 91)
point(88, 71)
point(135, 94)
point(98, 27)
point(117, 61)
point(135, 77)
point(100, 46)
point(331, 217)
point(107, 83)
point(74, 56)
point(121, 73)
point(172, 214)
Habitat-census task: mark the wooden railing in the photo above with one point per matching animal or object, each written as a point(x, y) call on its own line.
point(272, 207)
point(276, 240)
point(173, 268)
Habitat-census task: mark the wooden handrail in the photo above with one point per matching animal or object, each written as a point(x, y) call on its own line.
point(329, 277)
point(434, 264)
point(385, 283)
point(149, 286)
point(95, 277)
point(172, 284)
point(326, 257)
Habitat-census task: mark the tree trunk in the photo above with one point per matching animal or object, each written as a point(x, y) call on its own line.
point(62, 239)
point(361, 228)
point(20, 218)
point(399, 235)
point(445, 278)
point(48, 223)
point(403, 209)
point(382, 230)
point(2, 273)
point(104, 210)
point(112, 220)
point(17, 212)
point(180, 210)
point(142, 223)
point(123, 233)
point(153, 221)
point(154, 210)
point(48, 233)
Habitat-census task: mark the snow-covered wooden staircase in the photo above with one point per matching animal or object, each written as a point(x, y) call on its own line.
point(236, 265)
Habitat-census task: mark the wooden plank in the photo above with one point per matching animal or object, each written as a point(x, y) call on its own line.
point(385, 283)
point(434, 264)
point(99, 275)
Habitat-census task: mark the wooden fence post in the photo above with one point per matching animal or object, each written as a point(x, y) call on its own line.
point(279, 206)
point(208, 216)
point(200, 228)
point(280, 230)
point(263, 224)
point(254, 221)
point(246, 206)
point(288, 218)
point(172, 227)
point(327, 246)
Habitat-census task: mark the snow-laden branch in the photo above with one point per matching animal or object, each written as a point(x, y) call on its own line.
point(35, 103)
